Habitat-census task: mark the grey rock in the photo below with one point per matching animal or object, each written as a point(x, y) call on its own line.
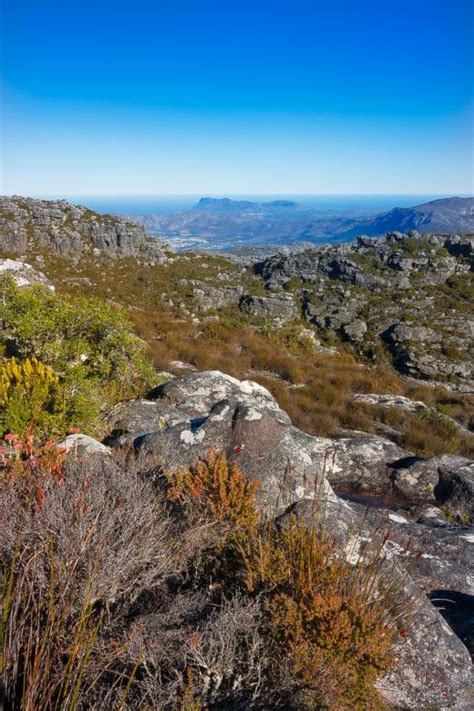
point(24, 274)
point(398, 402)
point(212, 297)
point(84, 446)
point(276, 306)
point(355, 330)
point(362, 464)
point(65, 229)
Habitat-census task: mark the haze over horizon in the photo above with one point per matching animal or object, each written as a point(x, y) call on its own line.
point(307, 97)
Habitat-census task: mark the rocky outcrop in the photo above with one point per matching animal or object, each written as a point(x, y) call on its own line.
point(209, 297)
point(418, 351)
point(281, 306)
point(371, 262)
point(62, 228)
point(404, 295)
point(23, 274)
point(186, 416)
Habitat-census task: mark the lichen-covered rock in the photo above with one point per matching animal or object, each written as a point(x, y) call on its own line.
point(280, 306)
point(84, 446)
point(446, 480)
point(387, 402)
point(62, 228)
point(23, 274)
point(362, 464)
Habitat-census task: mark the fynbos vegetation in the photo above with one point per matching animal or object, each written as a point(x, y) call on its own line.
point(112, 598)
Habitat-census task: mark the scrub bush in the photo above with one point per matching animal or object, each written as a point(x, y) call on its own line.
point(81, 355)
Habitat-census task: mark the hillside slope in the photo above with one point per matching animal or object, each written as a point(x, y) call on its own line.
point(445, 215)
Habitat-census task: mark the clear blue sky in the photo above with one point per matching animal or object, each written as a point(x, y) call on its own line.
point(226, 96)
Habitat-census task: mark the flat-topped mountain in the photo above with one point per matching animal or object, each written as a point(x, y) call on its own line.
point(208, 204)
point(226, 224)
point(56, 225)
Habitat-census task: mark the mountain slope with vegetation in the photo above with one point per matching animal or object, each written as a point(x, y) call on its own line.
point(444, 215)
point(283, 489)
point(318, 328)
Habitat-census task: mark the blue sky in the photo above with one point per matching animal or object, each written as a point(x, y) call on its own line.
point(226, 97)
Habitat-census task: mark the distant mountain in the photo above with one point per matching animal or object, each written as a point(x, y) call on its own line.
point(224, 224)
point(445, 215)
point(208, 204)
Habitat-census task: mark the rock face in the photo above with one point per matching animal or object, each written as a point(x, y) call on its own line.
point(407, 295)
point(186, 416)
point(66, 229)
point(212, 297)
point(277, 306)
point(23, 274)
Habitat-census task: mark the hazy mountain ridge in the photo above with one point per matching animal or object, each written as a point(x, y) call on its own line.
point(444, 215)
point(225, 224)
point(208, 204)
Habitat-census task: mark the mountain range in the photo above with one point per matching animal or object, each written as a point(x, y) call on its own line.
point(224, 224)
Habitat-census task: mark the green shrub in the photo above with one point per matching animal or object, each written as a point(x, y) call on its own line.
point(31, 398)
point(318, 615)
point(333, 622)
point(89, 344)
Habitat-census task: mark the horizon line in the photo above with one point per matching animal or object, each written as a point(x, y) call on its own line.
point(253, 194)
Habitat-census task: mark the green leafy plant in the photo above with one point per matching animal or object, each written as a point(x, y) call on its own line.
point(89, 345)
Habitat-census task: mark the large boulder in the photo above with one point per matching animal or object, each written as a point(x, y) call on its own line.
point(23, 274)
point(243, 420)
point(188, 415)
point(185, 417)
point(444, 480)
point(281, 306)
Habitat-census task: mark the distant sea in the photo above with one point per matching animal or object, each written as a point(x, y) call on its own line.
point(343, 205)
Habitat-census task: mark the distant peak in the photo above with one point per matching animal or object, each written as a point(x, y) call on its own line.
point(229, 205)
